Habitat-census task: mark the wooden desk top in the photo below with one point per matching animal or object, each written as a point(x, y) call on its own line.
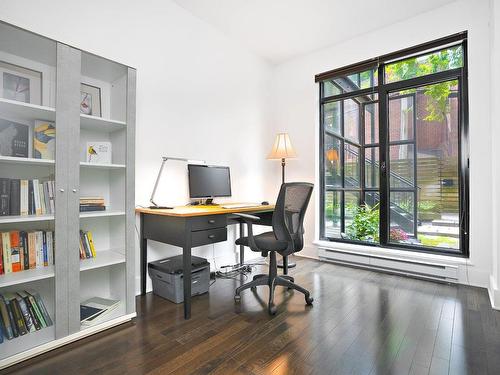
point(190, 211)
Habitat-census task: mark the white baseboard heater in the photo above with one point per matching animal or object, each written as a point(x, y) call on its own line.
point(415, 268)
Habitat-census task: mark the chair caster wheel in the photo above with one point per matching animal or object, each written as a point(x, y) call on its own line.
point(237, 298)
point(272, 310)
point(309, 301)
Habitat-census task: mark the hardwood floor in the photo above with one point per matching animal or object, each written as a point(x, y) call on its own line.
point(362, 322)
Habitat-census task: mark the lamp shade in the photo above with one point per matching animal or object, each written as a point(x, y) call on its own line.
point(282, 148)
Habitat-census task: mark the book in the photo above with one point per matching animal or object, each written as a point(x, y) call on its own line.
point(44, 249)
point(34, 317)
point(86, 247)
point(24, 198)
point(32, 250)
point(86, 208)
point(7, 263)
point(43, 211)
point(4, 196)
point(99, 152)
point(52, 203)
point(13, 139)
point(2, 271)
point(31, 198)
point(44, 140)
point(50, 247)
point(16, 312)
point(12, 320)
point(28, 321)
point(4, 313)
point(15, 197)
point(103, 307)
point(15, 257)
point(39, 249)
point(36, 309)
point(1, 330)
point(41, 306)
point(91, 243)
point(25, 250)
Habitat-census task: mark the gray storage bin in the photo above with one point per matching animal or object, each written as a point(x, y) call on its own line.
point(168, 281)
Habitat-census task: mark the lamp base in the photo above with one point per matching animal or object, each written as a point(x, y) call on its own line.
point(160, 208)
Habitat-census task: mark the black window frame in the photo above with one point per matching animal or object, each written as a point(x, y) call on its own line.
point(382, 91)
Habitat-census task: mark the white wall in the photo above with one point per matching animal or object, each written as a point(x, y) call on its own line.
point(295, 103)
point(199, 94)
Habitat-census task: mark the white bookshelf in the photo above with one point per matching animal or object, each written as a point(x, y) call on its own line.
point(26, 161)
point(25, 219)
point(69, 281)
point(104, 258)
point(27, 276)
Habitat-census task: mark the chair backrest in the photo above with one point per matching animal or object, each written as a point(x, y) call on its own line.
point(288, 216)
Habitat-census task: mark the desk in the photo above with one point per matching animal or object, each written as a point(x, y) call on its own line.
point(188, 227)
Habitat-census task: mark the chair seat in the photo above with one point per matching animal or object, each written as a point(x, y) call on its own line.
point(265, 241)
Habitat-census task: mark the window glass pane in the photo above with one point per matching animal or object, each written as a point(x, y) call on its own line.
point(401, 117)
point(434, 62)
point(401, 166)
point(333, 165)
point(332, 214)
point(372, 167)
point(351, 120)
point(402, 228)
point(371, 123)
point(350, 83)
point(331, 116)
point(351, 204)
point(362, 221)
point(372, 198)
point(351, 165)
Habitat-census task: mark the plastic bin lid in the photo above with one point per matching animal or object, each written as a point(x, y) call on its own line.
point(174, 264)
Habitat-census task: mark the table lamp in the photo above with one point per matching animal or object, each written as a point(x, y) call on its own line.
point(282, 150)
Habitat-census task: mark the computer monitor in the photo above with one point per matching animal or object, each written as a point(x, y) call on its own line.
point(209, 181)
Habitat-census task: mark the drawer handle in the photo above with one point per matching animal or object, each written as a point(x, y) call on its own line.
point(211, 221)
point(211, 236)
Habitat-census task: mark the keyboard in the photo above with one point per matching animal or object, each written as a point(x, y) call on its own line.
point(240, 205)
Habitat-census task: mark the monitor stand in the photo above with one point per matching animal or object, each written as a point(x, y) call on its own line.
point(210, 202)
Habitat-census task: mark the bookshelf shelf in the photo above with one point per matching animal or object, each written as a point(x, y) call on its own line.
point(107, 213)
point(26, 111)
point(101, 166)
point(28, 341)
point(25, 219)
point(100, 124)
point(27, 161)
point(102, 259)
point(27, 276)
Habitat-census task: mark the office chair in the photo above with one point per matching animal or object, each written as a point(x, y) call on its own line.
point(286, 238)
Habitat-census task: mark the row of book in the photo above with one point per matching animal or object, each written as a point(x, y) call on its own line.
point(87, 248)
point(21, 250)
point(92, 204)
point(22, 313)
point(26, 197)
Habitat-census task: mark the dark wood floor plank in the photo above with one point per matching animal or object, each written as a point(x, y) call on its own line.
point(362, 322)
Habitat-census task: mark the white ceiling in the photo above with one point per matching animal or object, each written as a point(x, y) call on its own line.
point(278, 30)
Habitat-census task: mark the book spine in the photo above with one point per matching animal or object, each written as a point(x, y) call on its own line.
point(42, 198)
point(4, 197)
point(15, 256)
point(44, 246)
point(47, 197)
point(52, 189)
point(32, 249)
point(36, 194)
point(38, 312)
point(6, 319)
point(34, 318)
point(2, 269)
point(15, 197)
point(25, 250)
point(82, 251)
point(39, 249)
point(43, 310)
point(91, 243)
point(28, 322)
point(24, 198)
point(7, 263)
point(92, 208)
point(86, 245)
point(50, 247)
point(18, 316)
point(31, 198)
point(12, 319)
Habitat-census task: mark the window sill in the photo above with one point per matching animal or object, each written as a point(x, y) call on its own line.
point(390, 253)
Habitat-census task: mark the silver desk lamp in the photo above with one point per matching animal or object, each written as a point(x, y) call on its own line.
point(164, 160)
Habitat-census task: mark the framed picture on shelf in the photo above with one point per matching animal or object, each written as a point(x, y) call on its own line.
point(14, 139)
point(20, 84)
point(90, 100)
point(99, 152)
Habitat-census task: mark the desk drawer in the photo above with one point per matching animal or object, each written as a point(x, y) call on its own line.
point(205, 237)
point(208, 222)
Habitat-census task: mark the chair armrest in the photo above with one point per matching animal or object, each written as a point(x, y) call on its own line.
point(249, 219)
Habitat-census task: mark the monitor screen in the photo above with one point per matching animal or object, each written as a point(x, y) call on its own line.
point(206, 181)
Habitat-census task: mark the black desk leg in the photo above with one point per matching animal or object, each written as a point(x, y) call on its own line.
point(186, 260)
point(242, 248)
point(143, 256)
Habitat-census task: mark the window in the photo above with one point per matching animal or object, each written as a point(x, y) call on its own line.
point(394, 162)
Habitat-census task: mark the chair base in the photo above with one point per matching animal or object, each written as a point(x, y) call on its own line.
point(272, 281)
